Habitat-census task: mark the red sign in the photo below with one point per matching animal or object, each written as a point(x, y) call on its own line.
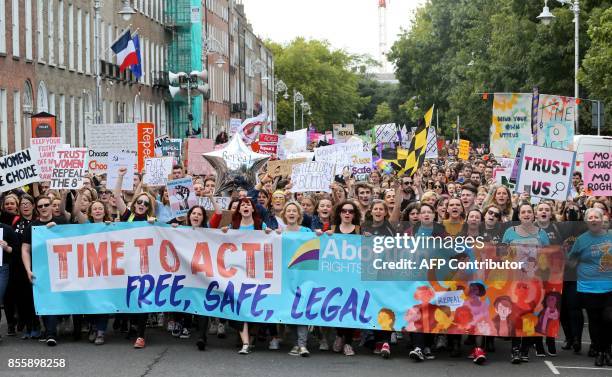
point(268, 143)
point(43, 125)
point(146, 143)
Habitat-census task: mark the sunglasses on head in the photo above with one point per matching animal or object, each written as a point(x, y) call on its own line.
point(43, 205)
point(348, 211)
point(143, 202)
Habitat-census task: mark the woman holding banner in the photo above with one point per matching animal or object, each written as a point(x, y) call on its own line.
point(141, 209)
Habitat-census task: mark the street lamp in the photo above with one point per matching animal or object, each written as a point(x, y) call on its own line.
point(126, 11)
point(305, 107)
point(297, 97)
point(279, 86)
point(546, 17)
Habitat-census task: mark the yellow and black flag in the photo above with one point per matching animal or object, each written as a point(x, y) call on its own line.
point(418, 146)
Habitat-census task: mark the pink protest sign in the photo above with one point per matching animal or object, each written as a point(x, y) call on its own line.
point(597, 171)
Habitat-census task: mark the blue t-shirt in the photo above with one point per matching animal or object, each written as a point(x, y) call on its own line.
point(251, 227)
point(512, 237)
point(594, 255)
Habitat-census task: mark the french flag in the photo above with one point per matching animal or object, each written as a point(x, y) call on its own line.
point(126, 51)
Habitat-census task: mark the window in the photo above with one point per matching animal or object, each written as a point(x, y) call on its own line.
point(40, 41)
point(70, 37)
point(62, 118)
point(73, 118)
point(109, 34)
point(60, 33)
point(3, 124)
point(51, 33)
point(28, 29)
point(79, 54)
point(17, 119)
point(2, 27)
point(52, 104)
point(87, 43)
point(28, 109)
point(42, 101)
point(104, 111)
point(15, 22)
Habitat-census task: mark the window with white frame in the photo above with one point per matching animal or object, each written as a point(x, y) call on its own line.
point(51, 32)
point(60, 33)
point(62, 119)
point(39, 30)
point(2, 27)
point(28, 29)
point(79, 41)
point(17, 119)
point(3, 123)
point(15, 22)
point(70, 36)
point(87, 43)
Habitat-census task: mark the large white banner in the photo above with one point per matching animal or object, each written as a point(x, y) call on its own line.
point(103, 138)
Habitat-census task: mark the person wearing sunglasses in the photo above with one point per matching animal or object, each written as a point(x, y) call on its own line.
point(45, 217)
point(346, 221)
point(491, 231)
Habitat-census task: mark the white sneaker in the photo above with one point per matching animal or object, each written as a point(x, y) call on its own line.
point(185, 334)
point(304, 352)
point(274, 344)
point(170, 327)
point(295, 351)
point(338, 344)
point(323, 345)
point(393, 339)
point(212, 327)
point(348, 350)
point(221, 330)
point(245, 350)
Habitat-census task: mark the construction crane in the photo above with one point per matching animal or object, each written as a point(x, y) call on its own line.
point(382, 34)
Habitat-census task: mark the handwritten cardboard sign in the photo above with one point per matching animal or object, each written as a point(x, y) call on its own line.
point(312, 176)
point(157, 170)
point(545, 172)
point(117, 160)
point(69, 168)
point(597, 173)
point(46, 148)
point(279, 168)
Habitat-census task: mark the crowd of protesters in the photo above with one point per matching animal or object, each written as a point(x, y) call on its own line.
point(446, 197)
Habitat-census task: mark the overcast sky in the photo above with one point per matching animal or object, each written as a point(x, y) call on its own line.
point(348, 24)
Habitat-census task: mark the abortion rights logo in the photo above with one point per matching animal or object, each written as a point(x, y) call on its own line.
point(306, 257)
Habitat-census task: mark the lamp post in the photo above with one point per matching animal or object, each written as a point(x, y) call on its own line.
point(126, 13)
point(546, 17)
point(189, 84)
point(279, 86)
point(297, 97)
point(305, 107)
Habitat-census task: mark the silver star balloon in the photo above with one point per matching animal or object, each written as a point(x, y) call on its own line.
point(236, 165)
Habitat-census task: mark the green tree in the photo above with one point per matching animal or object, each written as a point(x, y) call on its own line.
point(383, 114)
point(327, 78)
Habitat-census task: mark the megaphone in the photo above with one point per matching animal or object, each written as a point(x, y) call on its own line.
point(202, 75)
point(174, 90)
point(174, 78)
point(203, 89)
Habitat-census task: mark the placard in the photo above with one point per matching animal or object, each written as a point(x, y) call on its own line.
point(312, 176)
point(545, 172)
point(268, 144)
point(69, 168)
point(196, 164)
point(101, 139)
point(597, 173)
point(385, 133)
point(279, 168)
point(46, 148)
point(464, 150)
point(361, 165)
point(235, 124)
point(173, 148)
point(340, 155)
point(343, 132)
point(222, 201)
point(181, 195)
point(432, 143)
point(157, 170)
point(159, 142)
point(556, 121)
point(117, 160)
point(510, 124)
point(19, 169)
point(146, 143)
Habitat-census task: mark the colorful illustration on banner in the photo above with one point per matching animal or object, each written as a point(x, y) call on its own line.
point(306, 257)
point(511, 123)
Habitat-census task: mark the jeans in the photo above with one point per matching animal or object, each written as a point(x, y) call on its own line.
point(4, 279)
point(50, 322)
point(302, 335)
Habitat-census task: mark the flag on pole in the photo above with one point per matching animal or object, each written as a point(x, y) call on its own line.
point(252, 127)
point(125, 50)
point(137, 68)
point(418, 146)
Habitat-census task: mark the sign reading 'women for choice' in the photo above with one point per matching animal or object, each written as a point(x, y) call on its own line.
point(545, 172)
